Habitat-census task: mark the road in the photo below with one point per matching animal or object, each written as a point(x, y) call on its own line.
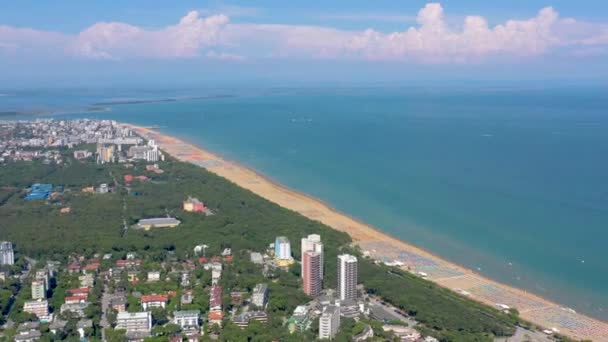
point(105, 305)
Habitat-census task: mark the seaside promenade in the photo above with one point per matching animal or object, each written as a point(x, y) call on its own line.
point(383, 247)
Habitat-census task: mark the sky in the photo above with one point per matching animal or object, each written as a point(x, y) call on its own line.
point(275, 41)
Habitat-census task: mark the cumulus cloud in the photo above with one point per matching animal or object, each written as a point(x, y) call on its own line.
point(431, 40)
point(118, 40)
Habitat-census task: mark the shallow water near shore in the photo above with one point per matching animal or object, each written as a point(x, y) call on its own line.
point(510, 183)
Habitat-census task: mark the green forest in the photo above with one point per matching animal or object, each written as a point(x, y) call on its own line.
point(242, 221)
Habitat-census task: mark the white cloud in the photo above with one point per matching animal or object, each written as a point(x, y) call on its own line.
point(432, 40)
point(119, 40)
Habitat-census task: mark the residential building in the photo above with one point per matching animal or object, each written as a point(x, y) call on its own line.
point(149, 153)
point(347, 277)
point(81, 154)
point(312, 243)
point(119, 303)
point(77, 309)
point(329, 322)
point(282, 251)
point(282, 248)
point(243, 319)
point(159, 222)
point(300, 320)
point(105, 154)
point(187, 320)
point(74, 299)
point(349, 308)
point(154, 301)
point(38, 289)
point(215, 299)
point(43, 275)
point(28, 332)
point(215, 306)
point(39, 307)
point(7, 255)
point(186, 297)
point(134, 322)
point(86, 280)
point(82, 292)
point(153, 276)
point(260, 295)
point(256, 258)
point(311, 272)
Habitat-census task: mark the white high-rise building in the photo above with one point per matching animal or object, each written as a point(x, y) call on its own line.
point(282, 248)
point(347, 277)
point(329, 322)
point(312, 243)
point(7, 256)
point(38, 289)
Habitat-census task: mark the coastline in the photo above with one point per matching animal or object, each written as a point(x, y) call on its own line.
point(385, 247)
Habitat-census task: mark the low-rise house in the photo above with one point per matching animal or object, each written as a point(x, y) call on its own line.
point(79, 292)
point(74, 299)
point(243, 320)
point(154, 301)
point(82, 325)
point(349, 308)
point(74, 267)
point(76, 309)
point(28, 332)
point(153, 276)
point(57, 326)
point(135, 323)
point(187, 320)
point(186, 297)
point(300, 320)
point(260, 296)
point(39, 307)
point(257, 258)
point(127, 263)
point(92, 266)
point(86, 280)
point(185, 279)
point(119, 303)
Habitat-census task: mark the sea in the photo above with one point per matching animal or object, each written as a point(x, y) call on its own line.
point(509, 181)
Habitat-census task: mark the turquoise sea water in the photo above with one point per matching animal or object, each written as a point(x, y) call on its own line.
point(511, 181)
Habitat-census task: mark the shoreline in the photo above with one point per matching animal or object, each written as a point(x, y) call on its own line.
point(385, 247)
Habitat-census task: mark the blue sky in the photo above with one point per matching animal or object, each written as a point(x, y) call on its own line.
point(301, 41)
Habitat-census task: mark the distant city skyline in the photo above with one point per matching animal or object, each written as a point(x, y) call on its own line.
point(214, 41)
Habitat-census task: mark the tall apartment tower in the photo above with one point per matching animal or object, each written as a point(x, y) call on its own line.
point(311, 272)
point(7, 256)
point(329, 322)
point(347, 277)
point(312, 243)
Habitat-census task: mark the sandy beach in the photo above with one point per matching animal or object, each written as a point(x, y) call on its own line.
point(386, 248)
